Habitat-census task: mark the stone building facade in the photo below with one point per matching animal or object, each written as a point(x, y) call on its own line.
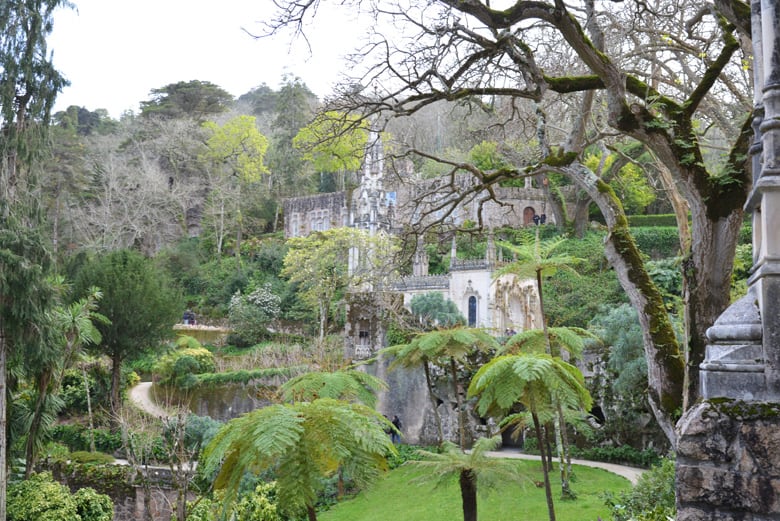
point(390, 206)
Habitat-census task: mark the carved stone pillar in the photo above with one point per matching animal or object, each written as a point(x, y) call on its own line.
point(728, 449)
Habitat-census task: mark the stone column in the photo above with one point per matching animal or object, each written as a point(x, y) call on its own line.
point(728, 450)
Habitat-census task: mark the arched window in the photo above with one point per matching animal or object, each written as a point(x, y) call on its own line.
point(472, 311)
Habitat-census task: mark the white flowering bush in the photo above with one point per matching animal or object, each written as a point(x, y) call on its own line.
point(251, 314)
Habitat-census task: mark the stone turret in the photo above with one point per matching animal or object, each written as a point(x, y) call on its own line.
point(372, 210)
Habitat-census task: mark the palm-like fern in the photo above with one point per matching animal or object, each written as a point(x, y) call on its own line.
point(475, 470)
point(536, 259)
point(570, 340)
point(540, 382)
point(348, 385)
point(301, 443)
point(444, 347)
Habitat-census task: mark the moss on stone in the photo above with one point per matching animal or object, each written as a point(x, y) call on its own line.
point(738, 409)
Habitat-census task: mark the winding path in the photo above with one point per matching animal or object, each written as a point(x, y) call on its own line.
point(141, 396)
point(632, 474)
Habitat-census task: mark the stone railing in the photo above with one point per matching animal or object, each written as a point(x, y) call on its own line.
point(429, 282)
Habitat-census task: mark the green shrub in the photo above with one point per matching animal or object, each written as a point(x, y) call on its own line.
point(665, 219)
point(657, 242)
point(40, 498)
point(406, 453)
point(76, 438)
point(92, 506)
point(91, 458)
point(176, 367)
point(624, 454)
point(651, 499)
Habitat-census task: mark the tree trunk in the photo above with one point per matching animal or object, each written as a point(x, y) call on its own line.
point(580, 217)
point(665, 366)
point(30, 452)
point(311, 513)
point(562, 440)
point(468, 494)
point(116, 384)
point(545, 471)
point(89, 411)
point(3, 421)
point(323, 321)
point(459, 402)
point(434, 402)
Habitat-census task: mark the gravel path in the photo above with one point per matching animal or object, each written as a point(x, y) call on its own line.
point(630, 473)
point(141, 396)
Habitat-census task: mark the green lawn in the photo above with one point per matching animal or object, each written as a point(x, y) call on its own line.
point(396, 498)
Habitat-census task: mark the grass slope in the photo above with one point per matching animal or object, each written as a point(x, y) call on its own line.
point(400, 497)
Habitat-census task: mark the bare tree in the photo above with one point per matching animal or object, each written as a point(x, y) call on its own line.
point(670, 76)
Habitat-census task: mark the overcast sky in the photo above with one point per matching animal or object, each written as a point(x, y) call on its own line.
point(114, 52)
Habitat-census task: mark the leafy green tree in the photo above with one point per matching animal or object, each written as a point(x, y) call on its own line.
point(348, 385)
point(294, 110)
point(251, 314)
point(537, 381)
point(237, 152)
point(334, 143)
point(194, 99)
point(73, 327)
point(29, 84)
point(319, 265)
point(302, 443)
point(446, 348)
point(623, 392)
point(629, 182)
point(475, 470)
point(433, 310)
point(84, 121)
point(485, 156)
point(140, 302)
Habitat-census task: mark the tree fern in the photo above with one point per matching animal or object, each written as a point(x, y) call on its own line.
point(446, 348)
point(475, 470)
point(539, 381)
point(300, 443)
point(347, 385)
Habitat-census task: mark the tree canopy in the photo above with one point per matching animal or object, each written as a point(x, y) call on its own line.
point(195, 99)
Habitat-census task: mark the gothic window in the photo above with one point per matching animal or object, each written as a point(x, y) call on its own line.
point(324, 220)
point(295, 225)
point(472, 311)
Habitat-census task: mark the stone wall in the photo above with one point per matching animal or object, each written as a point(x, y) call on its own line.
point(728, 462)
point(119, 482)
